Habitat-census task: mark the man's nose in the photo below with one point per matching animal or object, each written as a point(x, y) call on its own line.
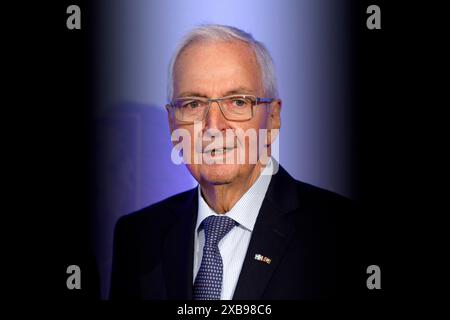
point(214, 118)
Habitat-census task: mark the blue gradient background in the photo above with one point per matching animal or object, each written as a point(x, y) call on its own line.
point(136, 39)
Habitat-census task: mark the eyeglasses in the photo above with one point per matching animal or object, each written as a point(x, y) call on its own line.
point(233, 108)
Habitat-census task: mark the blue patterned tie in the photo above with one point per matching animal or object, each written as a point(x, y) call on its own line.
point(208, 283)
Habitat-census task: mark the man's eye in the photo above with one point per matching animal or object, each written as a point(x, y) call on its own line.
point(191, 104)
point(239, 102)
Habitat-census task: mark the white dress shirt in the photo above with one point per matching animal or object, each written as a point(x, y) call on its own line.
point(233, 246)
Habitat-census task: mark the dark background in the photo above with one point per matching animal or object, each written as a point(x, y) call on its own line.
point(48, 150)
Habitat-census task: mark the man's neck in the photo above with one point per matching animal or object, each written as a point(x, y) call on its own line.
point(221, 198)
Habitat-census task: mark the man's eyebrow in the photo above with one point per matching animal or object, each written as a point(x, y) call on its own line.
point(239, 90)
point(191, 94)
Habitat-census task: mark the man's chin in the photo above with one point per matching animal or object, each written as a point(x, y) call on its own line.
point(218, 174)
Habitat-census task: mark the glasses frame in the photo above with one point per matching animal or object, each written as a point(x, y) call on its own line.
point(255, 101)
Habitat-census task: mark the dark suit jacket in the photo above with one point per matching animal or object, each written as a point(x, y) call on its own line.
point(296, 227)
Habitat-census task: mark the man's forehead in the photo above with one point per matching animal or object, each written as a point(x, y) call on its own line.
point(216, 55)
point(235, 46)
point(215, 88)
point(231, 66)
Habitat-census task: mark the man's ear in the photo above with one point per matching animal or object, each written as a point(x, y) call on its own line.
point(273, 121)
point(274, 116)
point(171, 121)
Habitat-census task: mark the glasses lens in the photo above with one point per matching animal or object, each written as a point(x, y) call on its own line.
point(189, 109)
point(238, 107)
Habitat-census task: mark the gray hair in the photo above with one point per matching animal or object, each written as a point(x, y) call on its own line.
point(215, 32)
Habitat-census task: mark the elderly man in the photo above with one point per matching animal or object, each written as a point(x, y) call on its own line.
point(249, 230)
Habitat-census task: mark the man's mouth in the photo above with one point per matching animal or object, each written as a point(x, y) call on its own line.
point(218, 151)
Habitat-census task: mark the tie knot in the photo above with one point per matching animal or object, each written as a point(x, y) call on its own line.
point(216, 227)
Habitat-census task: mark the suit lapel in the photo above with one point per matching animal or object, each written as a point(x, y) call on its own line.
point(178, 250)
point(271, 236)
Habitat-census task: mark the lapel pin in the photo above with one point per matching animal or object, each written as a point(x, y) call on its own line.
point(262, 258)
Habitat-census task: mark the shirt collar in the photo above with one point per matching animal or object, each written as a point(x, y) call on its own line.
point(246, 210)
